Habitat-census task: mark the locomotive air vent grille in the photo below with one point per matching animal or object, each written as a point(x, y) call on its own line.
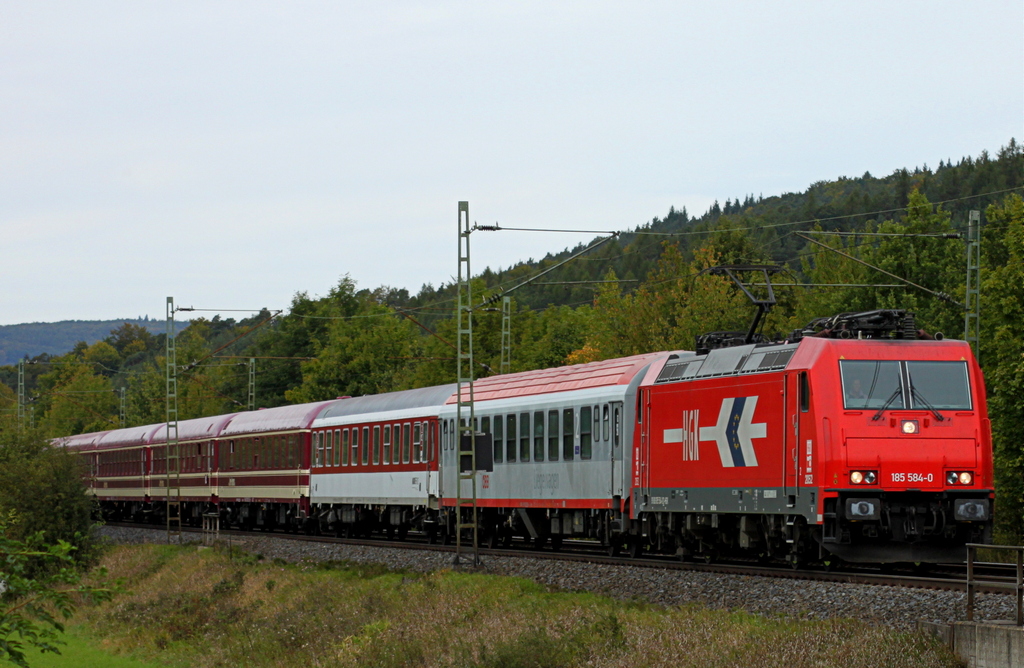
point(670, 373)
point(776, 359)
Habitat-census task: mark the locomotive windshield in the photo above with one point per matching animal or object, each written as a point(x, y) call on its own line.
point(898, 385)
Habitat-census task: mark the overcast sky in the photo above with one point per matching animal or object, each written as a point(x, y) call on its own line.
point(233, 153)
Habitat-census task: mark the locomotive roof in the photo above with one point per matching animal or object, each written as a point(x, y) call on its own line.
point(562, 379)
point(391, 401)
point(282, 418)
point(731, 361)
point(195, 429)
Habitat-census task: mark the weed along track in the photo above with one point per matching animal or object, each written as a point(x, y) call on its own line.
point(893, 600)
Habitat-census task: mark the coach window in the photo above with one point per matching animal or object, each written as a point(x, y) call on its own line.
point(510, 438)
point(597, 423)
point(329, 448)
point(805, 393)
point(366, 446)
point(568, 432)
point(387, 444)
point(406, 443)
point(605, 432)
point(337, 448)
point(344, 447)
point(553, 436)
point(431, 439)
point(538, 436)
point(396, 448)
point(524, 437)
point(231, 454)
point(355, 447)
point(586, 442)
point(376, 444)
point(417, 444)
point(499, 439)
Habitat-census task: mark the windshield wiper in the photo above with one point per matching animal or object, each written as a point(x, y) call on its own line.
point(935, 412)
point(892, 397)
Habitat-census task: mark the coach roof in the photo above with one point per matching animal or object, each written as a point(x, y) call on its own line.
point(282, 418)
point(125, 438)
point(391, 401)
point(562, 379)
point(196, 429)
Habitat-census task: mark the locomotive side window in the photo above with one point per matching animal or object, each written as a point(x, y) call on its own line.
point(552, 436)
point(510, 438)
point(568, 432)
point(586, 443)
point(805, 393)
point(538, 436)
point(939, 385)
point(524, 437)
point(872, 384)
point(499, 441)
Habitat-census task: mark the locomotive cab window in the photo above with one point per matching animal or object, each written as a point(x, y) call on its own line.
point(805, 393)
point(939, 385)
point(872, 384)
point(919, 385)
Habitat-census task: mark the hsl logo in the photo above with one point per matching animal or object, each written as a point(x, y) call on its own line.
point(733, 434)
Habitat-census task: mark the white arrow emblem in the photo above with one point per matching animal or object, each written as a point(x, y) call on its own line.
point(734, 432)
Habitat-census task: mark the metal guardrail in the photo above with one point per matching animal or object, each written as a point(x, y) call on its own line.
point(972, 582)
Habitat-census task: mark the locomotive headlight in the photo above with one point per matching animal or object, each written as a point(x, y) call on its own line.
point(856, 477)
point(909, 426)
point(870, 477)
point(966, 478)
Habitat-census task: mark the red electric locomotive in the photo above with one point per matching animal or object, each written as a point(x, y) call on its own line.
point(860, 441)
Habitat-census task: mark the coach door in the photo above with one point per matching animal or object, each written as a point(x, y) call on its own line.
point(611, 420)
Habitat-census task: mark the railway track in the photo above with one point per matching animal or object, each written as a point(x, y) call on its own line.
point(945, 577)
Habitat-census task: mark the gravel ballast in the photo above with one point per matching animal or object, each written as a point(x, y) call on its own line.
point(894, 607)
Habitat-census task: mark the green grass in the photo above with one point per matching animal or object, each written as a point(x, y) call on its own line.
point(200, 608)
point(84, 652)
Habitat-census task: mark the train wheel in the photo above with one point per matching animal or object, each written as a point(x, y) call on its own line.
point(636, 548)
point(613, 547)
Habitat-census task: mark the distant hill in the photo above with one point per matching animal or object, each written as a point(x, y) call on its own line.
point(57, 338)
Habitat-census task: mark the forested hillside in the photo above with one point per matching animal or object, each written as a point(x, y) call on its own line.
point(57, 338)
point(356, 341)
